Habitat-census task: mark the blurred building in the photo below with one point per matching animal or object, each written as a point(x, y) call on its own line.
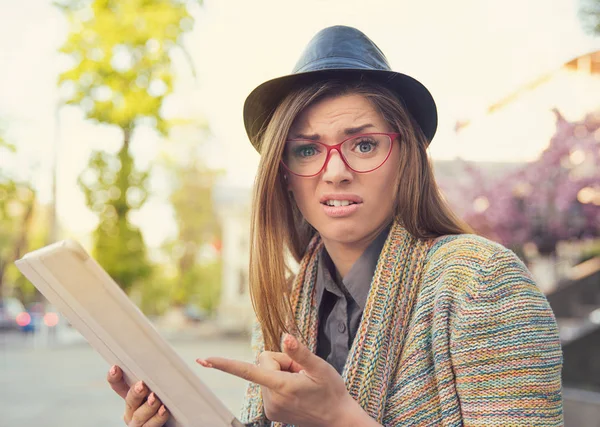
point(520, 125)
point(235, 312)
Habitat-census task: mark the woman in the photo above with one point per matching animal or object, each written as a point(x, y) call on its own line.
point(397, 316)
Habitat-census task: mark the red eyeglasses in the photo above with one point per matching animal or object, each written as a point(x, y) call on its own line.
point(361, 153)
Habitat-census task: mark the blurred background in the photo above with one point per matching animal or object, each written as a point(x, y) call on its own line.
point(121, 127)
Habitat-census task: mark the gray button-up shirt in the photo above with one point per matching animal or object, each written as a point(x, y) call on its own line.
point(341, 302)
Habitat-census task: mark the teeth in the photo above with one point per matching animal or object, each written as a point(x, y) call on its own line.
point(338, 202)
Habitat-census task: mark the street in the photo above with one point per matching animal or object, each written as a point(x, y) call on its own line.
point(65, 385)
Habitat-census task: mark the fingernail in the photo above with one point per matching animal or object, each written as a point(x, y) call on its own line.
point(204, 363)
point(162, 411)
point(151, 399)
point(113, 370)
point(289, 341)
point(139, 387)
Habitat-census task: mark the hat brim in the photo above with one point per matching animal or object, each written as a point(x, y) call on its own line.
point(264, 99)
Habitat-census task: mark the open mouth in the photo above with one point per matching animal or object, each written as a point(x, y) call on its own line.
point(339, 203)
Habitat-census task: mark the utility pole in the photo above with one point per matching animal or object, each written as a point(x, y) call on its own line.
point(53, 220)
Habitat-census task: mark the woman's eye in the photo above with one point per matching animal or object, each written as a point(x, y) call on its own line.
point(306, 151)
point(365, 146)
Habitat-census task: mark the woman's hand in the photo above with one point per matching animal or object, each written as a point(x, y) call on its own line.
point(142, 407)
point(298, 387)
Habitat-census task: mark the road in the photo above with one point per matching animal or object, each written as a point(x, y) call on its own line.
point(64, 385)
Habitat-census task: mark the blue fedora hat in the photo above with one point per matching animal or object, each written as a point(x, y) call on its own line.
point(339, 52)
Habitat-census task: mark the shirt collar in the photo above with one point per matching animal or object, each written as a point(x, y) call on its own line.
point(358, 280)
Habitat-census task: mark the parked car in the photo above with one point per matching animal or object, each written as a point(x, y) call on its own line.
point(194, 313)
point(36, 314)
point(11, 312)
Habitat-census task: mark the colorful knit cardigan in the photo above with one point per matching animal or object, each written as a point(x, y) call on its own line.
point(481, 346)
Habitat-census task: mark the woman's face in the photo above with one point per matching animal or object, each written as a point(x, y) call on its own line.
point(331, 121)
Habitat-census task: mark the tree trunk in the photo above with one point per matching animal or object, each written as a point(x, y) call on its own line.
point(2, 269)
point(123, 176)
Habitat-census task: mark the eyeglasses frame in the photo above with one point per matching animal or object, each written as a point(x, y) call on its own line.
point(338, 148)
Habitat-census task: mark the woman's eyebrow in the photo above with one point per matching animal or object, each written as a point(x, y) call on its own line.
point(358, 129)
point(347, 131)
point(314, 137)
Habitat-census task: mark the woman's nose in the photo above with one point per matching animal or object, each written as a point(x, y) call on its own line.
point(335, 169)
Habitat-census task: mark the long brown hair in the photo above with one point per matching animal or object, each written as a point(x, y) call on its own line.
point(278, 229)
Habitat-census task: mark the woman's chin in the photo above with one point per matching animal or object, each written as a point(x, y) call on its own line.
point(344, 232)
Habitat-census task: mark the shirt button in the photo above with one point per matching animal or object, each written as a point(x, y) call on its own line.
point(341, 327)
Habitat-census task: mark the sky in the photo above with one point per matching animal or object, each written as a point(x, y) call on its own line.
point(469, 53)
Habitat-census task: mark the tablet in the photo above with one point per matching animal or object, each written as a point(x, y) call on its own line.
point(99, 309)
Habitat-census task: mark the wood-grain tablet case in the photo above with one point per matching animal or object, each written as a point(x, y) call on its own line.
point(99, 309)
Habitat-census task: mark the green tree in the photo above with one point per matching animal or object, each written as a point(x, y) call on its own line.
point(198, 278)
point(34, 235)
point(17, 201)
point(113, 188)
point(121, 75)
point(590, 15)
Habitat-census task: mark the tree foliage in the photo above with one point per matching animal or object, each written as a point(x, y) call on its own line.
point(34, 234)
point(121, 75)
point(555, 198)
point(590, 15)
point(5, 145)
point(194, 252)
point(17, 206)
point(121, 53)
point(112, 189)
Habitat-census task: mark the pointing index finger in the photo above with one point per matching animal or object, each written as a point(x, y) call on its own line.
point(248, 371)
